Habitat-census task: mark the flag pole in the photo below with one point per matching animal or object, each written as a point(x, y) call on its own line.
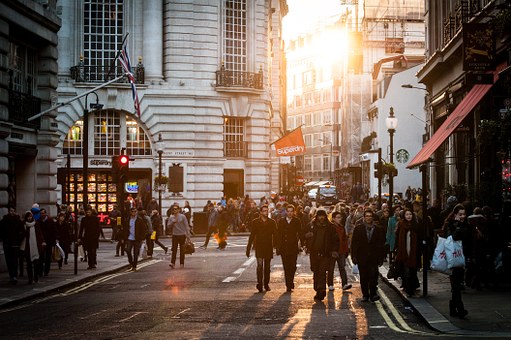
point(112, 64)
point(42, 113)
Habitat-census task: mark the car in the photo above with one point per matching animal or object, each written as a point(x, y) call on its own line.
point(312, 193)
point(327, 195)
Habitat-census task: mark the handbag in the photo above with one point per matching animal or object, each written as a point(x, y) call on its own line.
point(55, 254)
point(153, 235)
point(189, 247)
point(143, 250)
point(439, 260)
point(355, 270)
point(454, 253)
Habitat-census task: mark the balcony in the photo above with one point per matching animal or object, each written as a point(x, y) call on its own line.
point(238, 81)
point(100, 74)
point(21, 107)
point(235, 149)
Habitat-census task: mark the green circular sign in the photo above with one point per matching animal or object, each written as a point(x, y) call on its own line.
point(402, 156)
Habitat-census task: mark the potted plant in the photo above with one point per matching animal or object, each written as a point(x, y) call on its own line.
point(160, 183)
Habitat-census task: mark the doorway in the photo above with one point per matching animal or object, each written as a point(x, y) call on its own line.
point(234, 183)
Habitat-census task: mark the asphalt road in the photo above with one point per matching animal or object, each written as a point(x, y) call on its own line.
point(213, 297)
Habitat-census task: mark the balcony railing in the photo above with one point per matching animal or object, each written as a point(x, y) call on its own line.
point(236, 149)
point(21, 107)
point(101, 74)
point(250, 80)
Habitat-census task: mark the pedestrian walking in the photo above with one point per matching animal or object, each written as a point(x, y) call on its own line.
point(32, 246)
point(409, 251)
point(157, 230)
point(180, 231)
point(88, 236)
point(289, 236)
point(323, 245)
point(12, 233)
point(135, 231)
point(368, 252)
point(113, 215)
point(456, 226)
point(65, 235)
point(263, 237)
point(49, 230)
point(342, 253)
point(213, 215)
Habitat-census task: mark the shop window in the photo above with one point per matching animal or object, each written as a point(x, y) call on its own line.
point(74, 142)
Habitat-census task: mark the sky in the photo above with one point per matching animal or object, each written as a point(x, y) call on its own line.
point(304, 13)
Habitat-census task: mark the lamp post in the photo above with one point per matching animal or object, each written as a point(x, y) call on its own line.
point(391, 123)
point(160, 146)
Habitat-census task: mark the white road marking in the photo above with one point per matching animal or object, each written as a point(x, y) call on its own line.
point(177, 316)
point(240, 270)
point(131, 317)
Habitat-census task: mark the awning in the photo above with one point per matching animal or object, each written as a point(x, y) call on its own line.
point(466, 106)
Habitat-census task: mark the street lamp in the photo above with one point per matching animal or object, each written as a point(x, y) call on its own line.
point(85, 154)
point(391, 123)
point(160, 146)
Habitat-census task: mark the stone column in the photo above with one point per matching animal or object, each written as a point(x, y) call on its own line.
point(5, 128)
point(153, 40)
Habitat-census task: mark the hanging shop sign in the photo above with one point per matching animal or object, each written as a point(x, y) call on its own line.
point(478, 47)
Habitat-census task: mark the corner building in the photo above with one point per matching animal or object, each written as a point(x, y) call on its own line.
point(207, 77)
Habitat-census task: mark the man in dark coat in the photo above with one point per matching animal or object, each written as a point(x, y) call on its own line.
point(90, 230)
point(263, 236)
point(12, 233)
point(49, 228)
point(368, 252)
point(323, 245)
point(135, 230)
point(289, 232)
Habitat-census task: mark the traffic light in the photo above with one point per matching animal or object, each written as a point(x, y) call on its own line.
point(124, 167)
point(115, 169)
point(378, 170)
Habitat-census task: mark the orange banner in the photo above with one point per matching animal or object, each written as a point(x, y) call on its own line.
point(291, 144)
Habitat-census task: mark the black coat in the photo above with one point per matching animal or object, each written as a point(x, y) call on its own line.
point(288, 235)
point(11, 230)
point(330, 241)
point(365, 252)
point(263, 237)
point(49, 229)
point(90, 230)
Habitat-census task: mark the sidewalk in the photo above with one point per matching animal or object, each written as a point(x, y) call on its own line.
point(489, 311)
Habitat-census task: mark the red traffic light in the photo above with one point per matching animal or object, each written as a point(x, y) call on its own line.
point(123, 159)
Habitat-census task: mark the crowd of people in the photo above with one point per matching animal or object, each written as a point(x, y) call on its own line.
point(365, 233)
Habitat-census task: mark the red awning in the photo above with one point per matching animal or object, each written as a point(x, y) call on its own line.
point(453, 121)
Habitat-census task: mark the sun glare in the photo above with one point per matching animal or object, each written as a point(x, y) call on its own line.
point(331, 47)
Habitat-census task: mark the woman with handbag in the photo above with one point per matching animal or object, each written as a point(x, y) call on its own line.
point(178, 223)
point(456, 226)
point(408, 250)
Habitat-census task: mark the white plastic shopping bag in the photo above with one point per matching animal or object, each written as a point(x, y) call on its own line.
point(355, 269)
point(454, 253)
point(439, 261)
point(143, 250)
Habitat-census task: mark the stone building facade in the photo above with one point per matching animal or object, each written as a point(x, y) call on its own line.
point(207, 79)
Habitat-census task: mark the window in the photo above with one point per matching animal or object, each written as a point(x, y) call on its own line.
point(317, 118)
point(111, 131)
point(235, 30)
point(21, 69)
point(326, 162)
point(316, 162)
point(107, 128)
point(234, 144)
point(137, 142)
point(103, 33)
point(74, 141)
point(290, 121)
point(308, 119)
point(307, 163)
point(307, 140)
point(327, 117)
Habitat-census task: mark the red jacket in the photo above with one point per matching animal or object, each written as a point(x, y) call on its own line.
point(343, 239)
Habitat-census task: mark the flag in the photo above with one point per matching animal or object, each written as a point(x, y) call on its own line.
point(126, 66)
point(291, 144)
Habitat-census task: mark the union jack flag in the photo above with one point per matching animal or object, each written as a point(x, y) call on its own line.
point(126, 66)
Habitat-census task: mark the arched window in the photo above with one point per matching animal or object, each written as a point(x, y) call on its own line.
point(110, 131)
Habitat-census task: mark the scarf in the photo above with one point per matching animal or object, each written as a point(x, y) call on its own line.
point(32, 241)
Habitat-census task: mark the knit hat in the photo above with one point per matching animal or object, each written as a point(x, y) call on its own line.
point(452, 200)
point(321, 212)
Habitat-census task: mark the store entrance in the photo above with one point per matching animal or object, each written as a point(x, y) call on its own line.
point(234, 183)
